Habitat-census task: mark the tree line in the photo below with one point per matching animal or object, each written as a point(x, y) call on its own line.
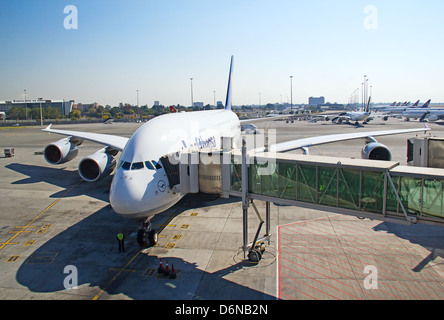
point(100, 112)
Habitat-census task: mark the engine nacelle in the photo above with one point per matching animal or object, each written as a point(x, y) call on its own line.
point(433, 118)
point(376, 151)
point(61, 151)
point(97, 165)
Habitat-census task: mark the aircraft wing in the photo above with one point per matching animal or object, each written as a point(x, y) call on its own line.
point(243, 121)
point(344, 117)
point(115, 142)
point(308, 142)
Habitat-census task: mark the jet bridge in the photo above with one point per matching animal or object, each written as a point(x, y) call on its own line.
point(382, 190)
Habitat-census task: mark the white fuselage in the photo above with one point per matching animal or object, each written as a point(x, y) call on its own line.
point(358, 116)
point(139, 189)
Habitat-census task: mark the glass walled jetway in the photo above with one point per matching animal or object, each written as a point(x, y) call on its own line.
point(381, 190)
point(376, 189)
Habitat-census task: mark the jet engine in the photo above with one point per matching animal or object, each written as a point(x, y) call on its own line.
point(62, 151)
point(376, 151)
point(433, 118)
point(97, 165)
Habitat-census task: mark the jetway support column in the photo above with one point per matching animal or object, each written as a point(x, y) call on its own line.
point(245, 200)
point(255, 251)
point(267, 220)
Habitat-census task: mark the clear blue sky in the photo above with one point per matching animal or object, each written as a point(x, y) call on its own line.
point(157, 46)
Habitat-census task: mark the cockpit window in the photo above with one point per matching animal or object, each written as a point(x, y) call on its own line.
point(125, 165)
point(157, 165)
point(137, 166)
point(149, 165)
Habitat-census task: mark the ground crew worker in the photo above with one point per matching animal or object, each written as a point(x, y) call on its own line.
point(121, 239)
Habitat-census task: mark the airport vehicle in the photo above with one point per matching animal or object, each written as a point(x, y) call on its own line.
point(140, 188)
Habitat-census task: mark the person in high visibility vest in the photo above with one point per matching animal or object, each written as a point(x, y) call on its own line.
point(121, 239)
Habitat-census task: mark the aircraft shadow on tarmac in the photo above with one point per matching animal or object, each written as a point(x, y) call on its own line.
point(91, 247)
point(62, 178)
point(427, 236)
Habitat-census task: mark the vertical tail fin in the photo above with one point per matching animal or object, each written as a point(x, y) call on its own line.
point(367, 109)
point(416, 104)
point(426, 105)
point(228, 100)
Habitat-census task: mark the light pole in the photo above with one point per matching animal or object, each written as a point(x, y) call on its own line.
point(362, 86)
point(291, 94)
point(41, 116)
point(138, 113)
point(26, 107)
point(365, 90)
point(192, 102)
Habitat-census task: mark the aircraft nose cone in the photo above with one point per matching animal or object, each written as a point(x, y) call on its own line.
point(126, 195)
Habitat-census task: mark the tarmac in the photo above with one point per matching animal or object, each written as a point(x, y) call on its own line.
point(58, 236)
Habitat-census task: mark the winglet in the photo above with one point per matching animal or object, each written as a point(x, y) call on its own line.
point(228, 100)
point(48, 128)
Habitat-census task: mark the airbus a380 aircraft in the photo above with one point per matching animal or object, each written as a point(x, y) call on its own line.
point(139, 189)
point(355, 116)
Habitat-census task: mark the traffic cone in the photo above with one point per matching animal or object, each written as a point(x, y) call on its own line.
point(160, 269)
point(172, 273)
point(167, 270)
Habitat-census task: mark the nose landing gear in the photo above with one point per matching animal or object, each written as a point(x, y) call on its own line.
point(147, 235)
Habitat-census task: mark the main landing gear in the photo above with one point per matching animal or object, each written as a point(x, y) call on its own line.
point(147, 235)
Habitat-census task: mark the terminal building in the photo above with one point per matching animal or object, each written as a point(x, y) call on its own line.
point(313, 101)
point(65, 106)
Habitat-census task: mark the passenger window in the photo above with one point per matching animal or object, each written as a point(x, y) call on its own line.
point(157, 165)
point(126, 165)
point(149, 165)
point(137, 166)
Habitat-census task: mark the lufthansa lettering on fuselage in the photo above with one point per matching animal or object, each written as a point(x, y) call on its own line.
point(205, 143)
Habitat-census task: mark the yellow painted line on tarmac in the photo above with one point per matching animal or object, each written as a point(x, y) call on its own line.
point(117, 275)
point(124, 269)
point(29, 225)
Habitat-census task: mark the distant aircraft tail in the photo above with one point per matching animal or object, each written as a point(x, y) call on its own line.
point(172, 109)
point(367, 109)
point(228, 100)
point(416, 104)
point(426, 105)
point(393, 104)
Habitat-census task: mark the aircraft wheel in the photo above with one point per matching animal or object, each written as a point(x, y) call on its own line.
point(254, 256)
point(141, 237)
point(153, 237)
